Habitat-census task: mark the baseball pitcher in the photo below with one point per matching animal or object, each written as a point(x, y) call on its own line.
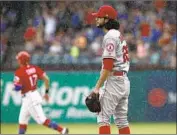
point(115, 66)
point(25, 80)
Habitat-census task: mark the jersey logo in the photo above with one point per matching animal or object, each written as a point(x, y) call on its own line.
point(110, 47)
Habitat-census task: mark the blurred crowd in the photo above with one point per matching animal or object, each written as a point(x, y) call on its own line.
point(8, 21)
point(65, 32)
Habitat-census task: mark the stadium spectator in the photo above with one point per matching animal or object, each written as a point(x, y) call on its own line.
point(65, 28)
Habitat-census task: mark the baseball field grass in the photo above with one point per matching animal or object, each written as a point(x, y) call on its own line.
point(136, 128)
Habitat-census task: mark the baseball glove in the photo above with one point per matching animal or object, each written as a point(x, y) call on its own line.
point(92, 102)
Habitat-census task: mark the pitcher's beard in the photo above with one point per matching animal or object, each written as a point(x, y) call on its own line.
point(101, 26)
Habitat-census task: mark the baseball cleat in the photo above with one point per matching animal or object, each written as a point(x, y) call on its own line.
point(65, 131)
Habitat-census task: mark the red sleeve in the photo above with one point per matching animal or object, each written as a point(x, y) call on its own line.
point(108, 63)
point(17, 79)
point(39, 72)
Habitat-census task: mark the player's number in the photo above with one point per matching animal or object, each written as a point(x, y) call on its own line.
point(33, 80)
point(124, 50)
point(125, 53)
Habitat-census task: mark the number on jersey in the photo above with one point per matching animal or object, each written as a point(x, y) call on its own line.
point(125, 53)
point(124, 50)
point(33, 80)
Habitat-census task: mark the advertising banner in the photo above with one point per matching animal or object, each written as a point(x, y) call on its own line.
point(161, 96)
point(69, 89)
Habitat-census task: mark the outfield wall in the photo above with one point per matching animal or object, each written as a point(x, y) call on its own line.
point(152, 97)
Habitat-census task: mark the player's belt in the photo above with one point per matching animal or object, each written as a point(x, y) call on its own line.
point(119, 73)
point(25, 94)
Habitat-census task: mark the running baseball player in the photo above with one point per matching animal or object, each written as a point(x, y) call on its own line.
point(25, 80)
point(115, 66)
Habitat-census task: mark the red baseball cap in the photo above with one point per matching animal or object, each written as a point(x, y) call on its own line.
point(106, 11)
point(23, 56)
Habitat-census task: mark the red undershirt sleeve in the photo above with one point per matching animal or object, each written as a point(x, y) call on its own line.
point(108, 63)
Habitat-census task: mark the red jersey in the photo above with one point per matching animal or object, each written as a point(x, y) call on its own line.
point(27, 77)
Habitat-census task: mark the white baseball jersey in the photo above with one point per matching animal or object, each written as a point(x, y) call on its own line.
point(114, 46)
point(116, 89)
